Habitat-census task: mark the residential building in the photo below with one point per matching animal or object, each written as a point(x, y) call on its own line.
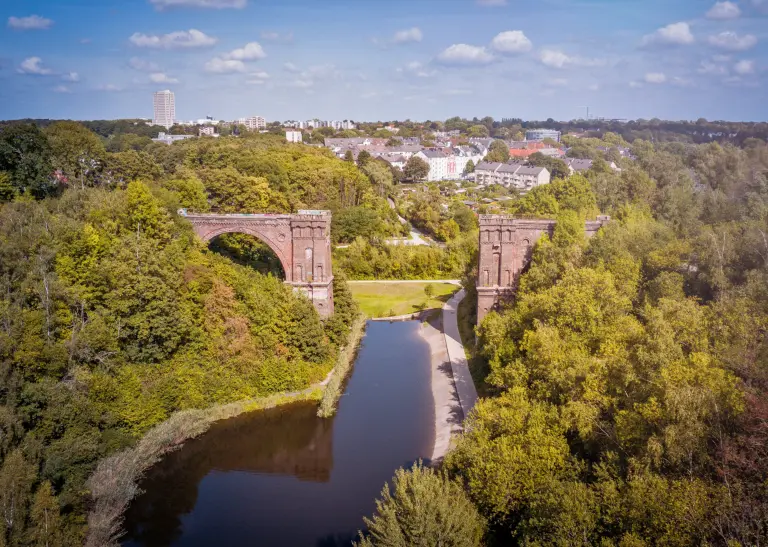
point(442, 166)
point(209, 131)
point(165, 138)
point(254, 123)
point(293, 136)
point(395, 160)
point(577, 166)
point(164, 108)
point(463, 155)
point(541, 134)
point(524, 149)
point(482, 144)
point(511, 175)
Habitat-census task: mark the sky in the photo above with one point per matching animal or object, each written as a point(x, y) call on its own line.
point(369, 60)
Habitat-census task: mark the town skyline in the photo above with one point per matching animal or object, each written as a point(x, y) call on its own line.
point(417, 60)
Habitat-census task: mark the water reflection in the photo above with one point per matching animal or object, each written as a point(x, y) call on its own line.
point(288, 440)
point(286, 477)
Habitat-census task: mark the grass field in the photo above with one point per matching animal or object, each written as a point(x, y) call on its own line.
point(390, 299)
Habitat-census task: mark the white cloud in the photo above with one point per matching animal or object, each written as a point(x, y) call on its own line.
point(182, 39)
point(491, 3)
point(162, 78)
point(744, 67)
point(268, 36)
point(732, 42)
point(417, 69)
point(557, 59)
point(249, 52)
point(464, 54)
point(554, 58)
point(655, 78)
point(33, 65)
point(674, 34)
point(143, 65)
point(71, 77)
point(302, 84)
point(712, 68)
point(724, 10)
point(109, 88)
point(258, 77)
point(61, 89)
point(511, 41)
point(408, 35)
point(681, 82)
point(210, 4)
point(218, 65)
point(321, 72)
point(33, 22)
point(290, 67)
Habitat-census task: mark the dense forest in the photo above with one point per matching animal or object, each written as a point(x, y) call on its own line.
point(113, 315)
point(628, 379)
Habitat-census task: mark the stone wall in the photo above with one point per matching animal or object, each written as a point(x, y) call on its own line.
point(302, 243)
point(506, 245)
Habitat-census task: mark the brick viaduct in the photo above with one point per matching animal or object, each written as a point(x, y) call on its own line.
point(301, 241)
point(506, 245)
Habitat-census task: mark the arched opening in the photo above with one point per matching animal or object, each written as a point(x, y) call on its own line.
point(248, 250)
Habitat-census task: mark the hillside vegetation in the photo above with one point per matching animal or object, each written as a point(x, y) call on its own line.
point(113, 315)
point(629, 380)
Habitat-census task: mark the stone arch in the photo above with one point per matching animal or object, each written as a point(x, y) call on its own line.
point(288, 236)
point(283, 256)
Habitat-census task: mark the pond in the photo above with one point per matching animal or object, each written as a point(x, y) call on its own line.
point(284, 476)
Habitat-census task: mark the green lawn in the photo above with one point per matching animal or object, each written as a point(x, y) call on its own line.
point(389, 299)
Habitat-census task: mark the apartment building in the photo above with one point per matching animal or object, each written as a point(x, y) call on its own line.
point(164, 103)
point(254, 123)
point(511, 175)
point(293, 136)
point(541, 134)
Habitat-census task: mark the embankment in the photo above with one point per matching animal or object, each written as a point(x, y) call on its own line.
point(340, 372)
point(115, 482)
point(453, 392)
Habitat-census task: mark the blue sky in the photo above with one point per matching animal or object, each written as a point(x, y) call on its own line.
point(383, 60)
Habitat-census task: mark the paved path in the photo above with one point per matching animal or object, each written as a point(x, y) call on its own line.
point(415, 235)
point(465, 387)
point(453, 391)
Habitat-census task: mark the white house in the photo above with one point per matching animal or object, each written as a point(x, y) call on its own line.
point(442, 166)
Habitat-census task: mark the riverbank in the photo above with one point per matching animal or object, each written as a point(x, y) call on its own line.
point(335, 386)
point(453, 392)
point(115, 482)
